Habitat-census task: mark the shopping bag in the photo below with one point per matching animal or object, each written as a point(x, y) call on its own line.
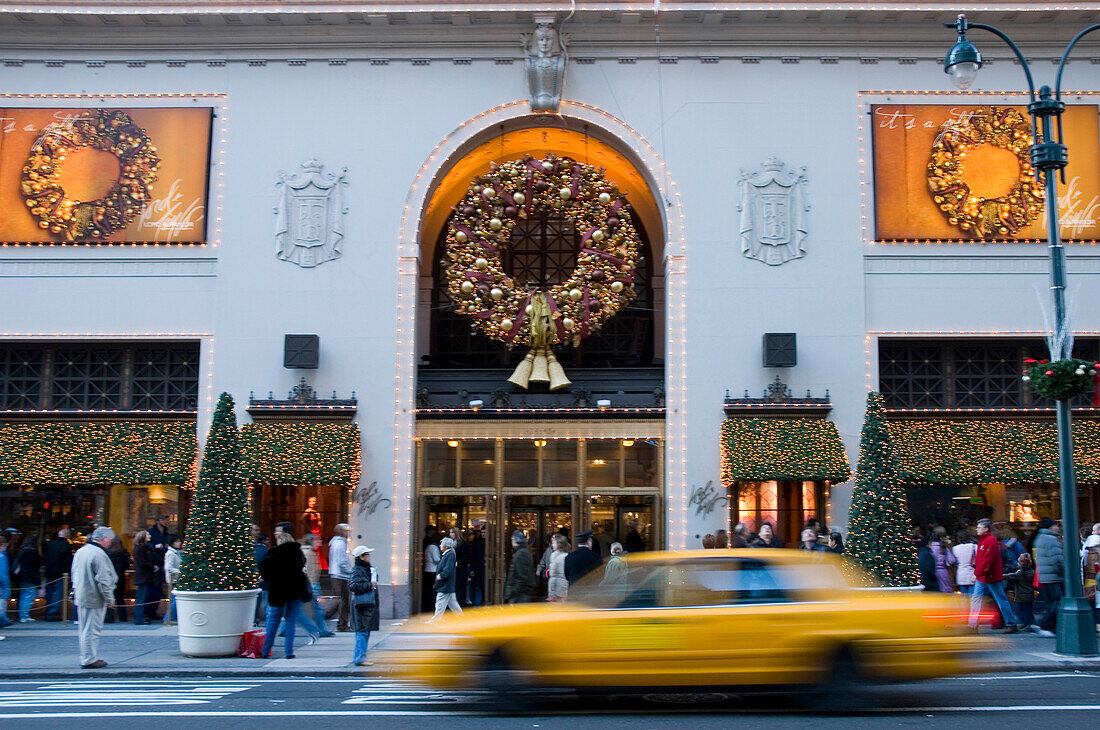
point(252, 644)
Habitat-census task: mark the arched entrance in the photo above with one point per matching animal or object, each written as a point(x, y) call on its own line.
point(588, 135)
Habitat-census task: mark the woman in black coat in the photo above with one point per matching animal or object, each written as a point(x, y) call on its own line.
point(283, 571)
point(146, 578)
point(120, 559)
point(364, 602)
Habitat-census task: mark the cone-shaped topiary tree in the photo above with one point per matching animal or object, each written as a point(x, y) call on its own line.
point(878, 521)
point(217, 551)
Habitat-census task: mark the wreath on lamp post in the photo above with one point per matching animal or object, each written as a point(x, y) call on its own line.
point(1063, 379)
point(1003, 127)
point(523, 313)
point(109, 130)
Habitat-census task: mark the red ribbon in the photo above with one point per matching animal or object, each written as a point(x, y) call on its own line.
point(575, 187)
point(584, 311)
point(530, 191)
point(1096, 390)
point(481, 276)
point(474, 237)
point(519, 320)
point(558, 325)
point(603, 254)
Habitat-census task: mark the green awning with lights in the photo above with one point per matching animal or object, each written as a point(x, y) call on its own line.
point(59, 453)
point(973, 451)
point(782, 449)
point(302, 454)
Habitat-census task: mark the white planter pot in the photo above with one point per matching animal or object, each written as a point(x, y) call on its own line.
point(211, 622)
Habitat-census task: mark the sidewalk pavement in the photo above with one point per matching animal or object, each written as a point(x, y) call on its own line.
point(49, 650)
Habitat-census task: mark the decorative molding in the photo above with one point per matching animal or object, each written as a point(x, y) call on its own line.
point(777, 400)
point(773, 210)
point(1032, 264)
point(302, 403)
point(309, 223)
point(126, 267)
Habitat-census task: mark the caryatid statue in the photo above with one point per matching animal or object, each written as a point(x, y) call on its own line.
point(545, 66)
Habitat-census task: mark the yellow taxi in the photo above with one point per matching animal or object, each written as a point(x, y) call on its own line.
point(697, 619)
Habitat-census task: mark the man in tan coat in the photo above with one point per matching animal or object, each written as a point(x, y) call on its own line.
point(94, 581)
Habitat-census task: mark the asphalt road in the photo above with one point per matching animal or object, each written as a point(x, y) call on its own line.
point(1062, 700)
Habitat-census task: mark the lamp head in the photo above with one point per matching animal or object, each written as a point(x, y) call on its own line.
point(964, 59)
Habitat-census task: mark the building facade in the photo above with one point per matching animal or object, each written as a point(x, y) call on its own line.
point(291, 196)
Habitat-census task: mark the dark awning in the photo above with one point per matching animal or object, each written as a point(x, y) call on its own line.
point(97, 453)
point(782, 449)
point(973, 451)
point(302, 454)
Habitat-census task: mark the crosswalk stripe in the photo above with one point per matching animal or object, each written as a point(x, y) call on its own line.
point(64, 694)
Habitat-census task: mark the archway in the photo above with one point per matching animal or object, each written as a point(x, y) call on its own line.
point(582, 132)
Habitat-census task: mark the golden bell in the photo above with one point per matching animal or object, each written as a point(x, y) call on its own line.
point(557, 374)
point(522, 374)
point(540, 372)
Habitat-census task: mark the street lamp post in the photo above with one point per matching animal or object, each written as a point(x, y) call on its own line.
point(1076, 627)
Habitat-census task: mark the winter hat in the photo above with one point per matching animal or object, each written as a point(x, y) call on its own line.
point(361, 550)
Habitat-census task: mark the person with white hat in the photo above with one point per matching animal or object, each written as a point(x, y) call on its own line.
point(364, 599)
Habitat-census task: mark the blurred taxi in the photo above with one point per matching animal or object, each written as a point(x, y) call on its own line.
point(698, 619)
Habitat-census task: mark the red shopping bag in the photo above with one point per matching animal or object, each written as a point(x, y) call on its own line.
point(252, 644)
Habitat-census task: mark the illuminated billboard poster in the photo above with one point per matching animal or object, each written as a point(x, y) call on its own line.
point(88, 176)
point(962, 173)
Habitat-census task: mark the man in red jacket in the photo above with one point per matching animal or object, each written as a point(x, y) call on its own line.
point(989, 577)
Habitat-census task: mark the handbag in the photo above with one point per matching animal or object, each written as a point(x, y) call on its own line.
point(252, 644)
point(363, 599)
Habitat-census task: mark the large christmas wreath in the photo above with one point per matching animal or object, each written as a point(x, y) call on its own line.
point(109, 130)
point(1003, 127)
point(524, 313)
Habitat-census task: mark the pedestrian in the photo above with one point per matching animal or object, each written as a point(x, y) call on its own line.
point(363, 587)
point(311, 611)
point(557, 587)
point(809, 541)
point(158, 548)
point(766, 538)
point(583, 560)
point(740, 537)
point(259, 551)
point(27, 571)
point(462, 566)
point(519, 584)
point(836, 543)
point(477, 564)
point(926, 566)
point(172, 561)
point(58, 563)
point(614, 573)
point(964, 551)
point(989, 577)
point(146, 576)
point(944, 558)
point(283, 570)
point(445, 580)
point(602, 539)
point(339, 572)
point(543, 568)
point(709, 541)
point(1050, 571)
point(120, 561)
point(5, 582)
point(94, 580)
point(1022, 580)
point(1013, 547)
point(634, 542)
point(431, 555)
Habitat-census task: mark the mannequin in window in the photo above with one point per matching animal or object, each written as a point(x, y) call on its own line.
point(311, 523)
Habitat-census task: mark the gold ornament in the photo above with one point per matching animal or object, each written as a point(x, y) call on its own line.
point(1003, 127)
point(109, 130)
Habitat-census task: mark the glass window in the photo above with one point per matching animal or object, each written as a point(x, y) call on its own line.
point(602, 463)
point(640, 462)
point(440, 463)
point(716, 583)
point(521, 464)
point(559, 464)
point(479, 464)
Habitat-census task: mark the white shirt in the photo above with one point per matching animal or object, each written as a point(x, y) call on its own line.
point(432, 556)
point(339, 563)
point(964, 553)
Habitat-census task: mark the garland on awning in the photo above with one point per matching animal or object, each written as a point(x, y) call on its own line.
point(782, 449)
point(974, 451)
point(301, 454)
point(36, 454)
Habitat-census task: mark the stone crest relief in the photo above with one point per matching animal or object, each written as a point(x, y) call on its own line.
point(773, 210)
point(309, 217)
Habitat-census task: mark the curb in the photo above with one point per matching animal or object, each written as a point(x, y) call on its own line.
point(344, 672)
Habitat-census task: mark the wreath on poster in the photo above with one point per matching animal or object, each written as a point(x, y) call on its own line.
point(108, 130)
point(518, 313)
point(1003, 127)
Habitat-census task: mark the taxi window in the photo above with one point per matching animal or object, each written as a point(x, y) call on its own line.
point(722, 583)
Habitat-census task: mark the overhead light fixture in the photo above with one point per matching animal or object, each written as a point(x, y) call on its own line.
point(540, 443)
point(453, 444)
point(475, 404)
point(628, 443)
point(603, 403)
